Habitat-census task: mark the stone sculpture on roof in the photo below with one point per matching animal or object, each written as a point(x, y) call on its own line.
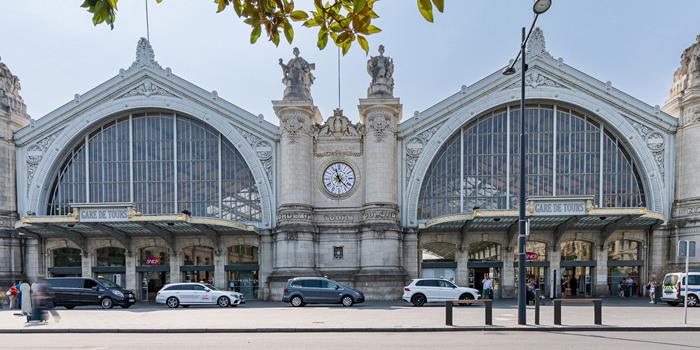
point(10, 100)
point(381, 69)
point(297, 77)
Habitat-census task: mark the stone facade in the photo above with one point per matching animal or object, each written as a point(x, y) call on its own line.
point(340, 199)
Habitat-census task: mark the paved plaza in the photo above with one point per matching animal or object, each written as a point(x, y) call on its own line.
point(393, 316)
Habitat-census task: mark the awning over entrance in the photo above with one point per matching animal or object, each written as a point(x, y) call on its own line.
point(550, 214)
point(121, 222)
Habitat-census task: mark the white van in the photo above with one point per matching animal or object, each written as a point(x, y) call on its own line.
point(674, 288)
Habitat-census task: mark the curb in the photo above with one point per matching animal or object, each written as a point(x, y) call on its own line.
point(353, 330)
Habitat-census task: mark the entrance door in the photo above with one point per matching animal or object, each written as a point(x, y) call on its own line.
point(245, 282)
point(151, 283)
point(539, 275)
point(577, 281)
point(477, 275)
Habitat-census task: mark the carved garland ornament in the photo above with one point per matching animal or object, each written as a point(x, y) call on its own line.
point(262, 148)
point(415, 147)
point(293, 126)
point(35, 153)
point(147, 88)
point(380, 125)
point(655, 143)
point(535, 80)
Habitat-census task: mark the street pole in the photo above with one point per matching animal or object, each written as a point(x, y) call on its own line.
point(685, 298)
point(522, 316)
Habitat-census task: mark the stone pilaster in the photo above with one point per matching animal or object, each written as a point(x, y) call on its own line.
point(601, 273)
point(508, 275)
point(266, 262)
point(86, 264)
point(130, 274)
point(555, 267)
point(175, 274)
point(462, 273)
point(411, 259)
point(220, 269)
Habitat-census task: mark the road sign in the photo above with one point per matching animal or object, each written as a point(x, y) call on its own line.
point(686, 249)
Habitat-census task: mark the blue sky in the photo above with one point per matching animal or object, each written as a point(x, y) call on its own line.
point(56, 51)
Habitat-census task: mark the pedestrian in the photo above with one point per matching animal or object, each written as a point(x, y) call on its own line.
point(621, 289)
point(12, 293)
point(487, 287)
point(18, 286)
point(573, 284)
point(651, 286)
point(629, 286)
point(43, 303)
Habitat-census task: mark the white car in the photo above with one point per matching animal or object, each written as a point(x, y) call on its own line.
point(430, 290)
point(186, 294)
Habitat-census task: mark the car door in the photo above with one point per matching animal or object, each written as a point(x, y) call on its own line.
point(329, 292)
point(448, 291)
point(198, 294)
point(90, 293)
point(311, 290)
point(429, 288)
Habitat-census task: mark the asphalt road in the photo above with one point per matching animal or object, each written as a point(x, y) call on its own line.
point(339, 341)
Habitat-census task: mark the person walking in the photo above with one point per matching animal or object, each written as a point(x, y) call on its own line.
point(651, 286)
point(487, 288)
point(12, 293)
point(629, 286)
point(43, 303)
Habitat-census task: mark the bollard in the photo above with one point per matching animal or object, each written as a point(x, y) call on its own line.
point(448, 313)
point(488, 312)
point(598, 312)
point(557, 312)
point(537, 307)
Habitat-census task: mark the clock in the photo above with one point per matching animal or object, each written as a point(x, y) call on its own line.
point(338, 178)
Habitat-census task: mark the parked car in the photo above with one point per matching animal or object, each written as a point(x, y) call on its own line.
point(429, 290)
point(186, 294)
point(674, 288)
point(70, 292)
point(319, 290)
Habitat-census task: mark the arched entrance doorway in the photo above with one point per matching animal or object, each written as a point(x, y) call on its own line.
point(438, 260)
point(536, 266)
point(485, 259)
point(578, 268)
point(198, 264)
point(153, 270)
point(110, 264)
point(65, 262)
point(242, 270)
point(624, 267)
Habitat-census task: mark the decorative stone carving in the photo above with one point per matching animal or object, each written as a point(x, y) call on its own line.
point(297, 77)
point(10, 100)
point(535, 80)
point(415, 146)
point(338, 126)
point(536, 45)
point(380, 124)
point(147, 88)
point(381, 69)
point(262, 148)
point(145, 57)
point(35, 153)
point(293, 126)
point(687, 76)
point(655, 142)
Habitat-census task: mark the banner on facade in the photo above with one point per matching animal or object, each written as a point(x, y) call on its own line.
point(564, 206)
point(102, 213)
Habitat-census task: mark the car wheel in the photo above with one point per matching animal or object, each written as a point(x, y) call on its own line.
point(672, 303)
point(466, 296)
point(347, 301)
point(173, 302)
point(107, 303)
point(223, 302)
point(296, 301)
point(70, 307)
point(418, 300)
point(692, 300)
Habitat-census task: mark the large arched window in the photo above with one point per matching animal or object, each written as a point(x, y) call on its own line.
point(162, 162)
point(110, 257)
point(569, 153)
point(66, 257)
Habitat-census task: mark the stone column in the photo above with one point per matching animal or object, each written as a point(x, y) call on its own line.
point(462, 275)
point(601, 272)
point(265, 264)
point(130, 274)
point(31, 259)
point(508, 275)
point(86, 264)
point(410, 254)
point(175, 275)
point(555, 265)
point(220, 269)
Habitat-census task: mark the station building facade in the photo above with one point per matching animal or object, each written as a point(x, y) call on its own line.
point(148, 179)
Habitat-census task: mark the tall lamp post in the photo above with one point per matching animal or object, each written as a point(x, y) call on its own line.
point(539, 7)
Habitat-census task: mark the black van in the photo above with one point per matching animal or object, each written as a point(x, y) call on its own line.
point(80, 291)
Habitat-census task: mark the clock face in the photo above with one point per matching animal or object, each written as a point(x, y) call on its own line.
point(338, 178)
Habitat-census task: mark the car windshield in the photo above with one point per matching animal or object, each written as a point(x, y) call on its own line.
point(210, 286)
point(109, 284)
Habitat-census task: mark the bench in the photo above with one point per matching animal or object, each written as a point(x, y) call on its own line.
point(597, 309)
point(488, 313)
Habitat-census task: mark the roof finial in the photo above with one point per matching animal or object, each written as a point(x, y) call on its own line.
point(536, 44)
point(145, 57)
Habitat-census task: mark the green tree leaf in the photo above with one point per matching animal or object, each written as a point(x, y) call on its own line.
point(426, 9)
point(439, 5)
point(298, 15)
point(255, 34)
point(363, 43)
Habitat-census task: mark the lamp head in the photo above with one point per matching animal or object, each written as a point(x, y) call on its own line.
point(541, 6)
point(508, 71)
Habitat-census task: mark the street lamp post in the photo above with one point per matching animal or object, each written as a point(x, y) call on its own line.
point(539, 7)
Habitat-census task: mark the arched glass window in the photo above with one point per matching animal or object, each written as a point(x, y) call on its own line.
point(576, 251)
point(110, 256)
point(624, 249)
point(154, 256)
point(162, 162)
point(485, 251)
point(569, 153)
point(197, 255)
point(66, 257)
point(534, 250)
point(243, 254)
point(439, 251)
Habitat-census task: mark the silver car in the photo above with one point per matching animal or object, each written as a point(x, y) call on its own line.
point(186, 294)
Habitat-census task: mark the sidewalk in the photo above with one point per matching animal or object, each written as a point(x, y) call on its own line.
point(618, 315)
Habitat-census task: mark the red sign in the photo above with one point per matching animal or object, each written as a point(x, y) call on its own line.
point(152, 260)
point(532, 255)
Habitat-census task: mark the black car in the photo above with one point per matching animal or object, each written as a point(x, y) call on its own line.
point(319, 290)
point(80, 291)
